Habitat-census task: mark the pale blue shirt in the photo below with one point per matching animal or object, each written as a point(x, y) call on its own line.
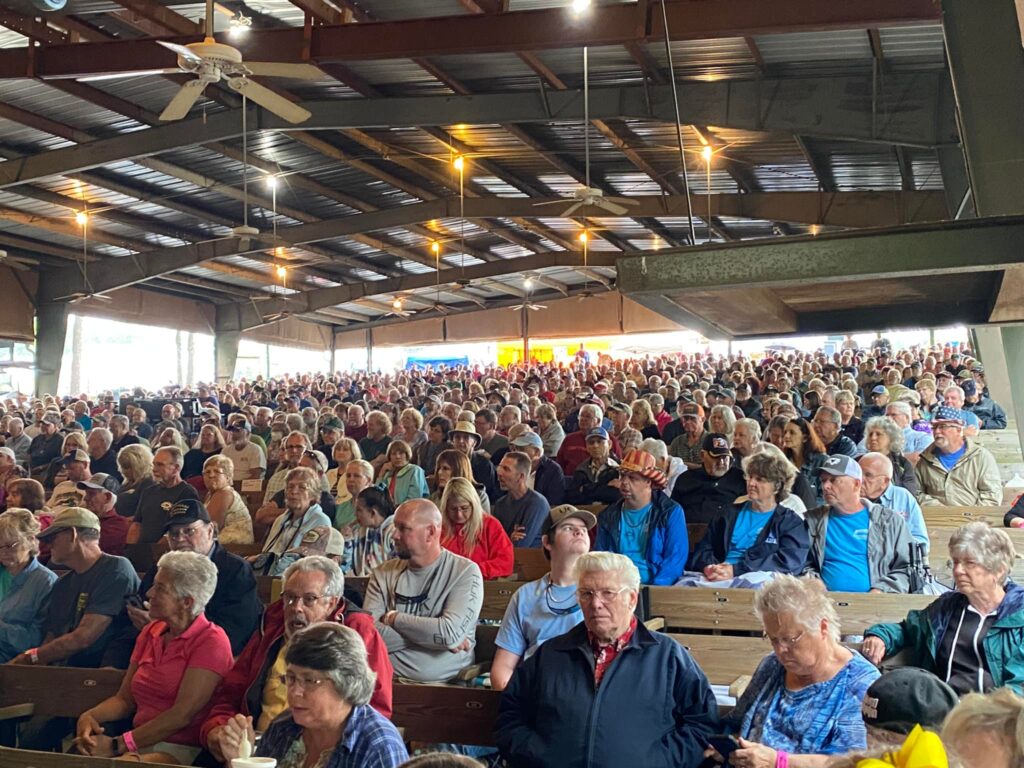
point(913, 442)
point(902, 502)
point(20, 618)
point(537, 612)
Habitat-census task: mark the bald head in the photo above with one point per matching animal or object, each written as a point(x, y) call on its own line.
point(877, 469)
point(417, 532)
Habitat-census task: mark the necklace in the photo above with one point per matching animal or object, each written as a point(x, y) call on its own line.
point(553, 605)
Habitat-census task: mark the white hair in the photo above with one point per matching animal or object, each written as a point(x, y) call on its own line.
point(609, 562)
point(900, 406)
point(992, 548)
point(752, 425)
point(655, 447)
point(192, 575)
point(319, 564)
point(593, 410)
point(805, 599)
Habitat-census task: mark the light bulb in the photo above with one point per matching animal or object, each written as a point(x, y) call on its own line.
point(397, 304)
point(583, 237)
point(528, 283)
point(281, 272)
point(459, 163)
point(814, 229)
point(272, 180)
point(81, 218)
point(436, 248)
point(579, 6)
point(707, 152)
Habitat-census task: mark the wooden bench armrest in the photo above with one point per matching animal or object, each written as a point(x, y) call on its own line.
point(738, 686)
point(15, 711)
point(473, 671)
point(655, 624)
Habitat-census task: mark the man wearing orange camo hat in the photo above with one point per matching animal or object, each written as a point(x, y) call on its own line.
point(645, 525)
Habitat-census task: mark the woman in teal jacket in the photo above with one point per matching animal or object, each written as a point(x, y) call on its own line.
point(403, 479)
point(942, 638)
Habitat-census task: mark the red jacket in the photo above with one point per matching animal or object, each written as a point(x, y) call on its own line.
point(241, 691)
point(493, 550)
point(574, 452)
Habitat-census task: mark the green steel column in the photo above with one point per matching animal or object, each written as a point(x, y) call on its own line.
point(51, 333)
point(225, 352)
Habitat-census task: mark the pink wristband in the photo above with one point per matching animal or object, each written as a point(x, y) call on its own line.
point(781, 759)
point(131, 746)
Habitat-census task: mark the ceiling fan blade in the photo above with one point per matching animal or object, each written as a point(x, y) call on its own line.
point(536, 306)
point(183, 100)
point(269, 100)
point(118, 75)
point(181, 50)
point(624, 200)
point(572, 209)
point(611, 207)
point(549, 202)
point(280, 69)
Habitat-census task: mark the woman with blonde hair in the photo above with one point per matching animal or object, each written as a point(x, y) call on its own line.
point(987, 730)
point(344, 450)
point(24, 583)
point(468, 531)
point(643, 420)
point(135, 462)
point(226, 506)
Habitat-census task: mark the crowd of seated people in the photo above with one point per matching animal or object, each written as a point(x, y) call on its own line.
point(426, 483)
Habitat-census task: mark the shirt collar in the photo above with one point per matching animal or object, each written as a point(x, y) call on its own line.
point(199, 624)
point(619, 643)
point(33, 564)
point(353, 728)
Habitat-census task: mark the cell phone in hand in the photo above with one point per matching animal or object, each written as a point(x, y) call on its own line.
point(723, 744)
point(135, 601)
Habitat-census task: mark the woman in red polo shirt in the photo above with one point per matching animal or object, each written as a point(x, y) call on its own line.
point(179, 659)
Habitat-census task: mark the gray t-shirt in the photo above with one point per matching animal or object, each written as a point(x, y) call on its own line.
point(530, 512)
point(438, 608)
point(154, 505)
point(100, 590)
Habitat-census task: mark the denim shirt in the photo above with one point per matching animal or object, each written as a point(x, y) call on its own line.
point(20, 618)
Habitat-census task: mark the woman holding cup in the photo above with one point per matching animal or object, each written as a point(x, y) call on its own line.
point(329, 721)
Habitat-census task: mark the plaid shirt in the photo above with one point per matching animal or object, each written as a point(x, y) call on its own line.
point(604, 655)
point(369, 741)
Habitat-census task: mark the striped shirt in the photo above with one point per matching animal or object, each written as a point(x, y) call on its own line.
point(369, 741)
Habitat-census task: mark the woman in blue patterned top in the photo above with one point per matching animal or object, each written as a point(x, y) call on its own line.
point(804, 699)
point(24, 583)
point(328, 723)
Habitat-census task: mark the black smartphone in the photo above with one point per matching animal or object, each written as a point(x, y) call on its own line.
point(135, 601)
point(724, 744)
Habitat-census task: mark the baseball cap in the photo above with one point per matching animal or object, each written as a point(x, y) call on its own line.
point(563, 512)
point(842, 466)
point(691, 409)
point(318, 457)
point(239, 425)
point(186, 512)
point(965, 374)
point(879, 390)
point(727, 392)
point(72, 517)
point(716, 444)
point(978, 369)
point(528, 438)
point(51, 418)
point(947, 413)
point(76, 455)
point(94, 483)
point(333, 422)
point(600, 432)
point(905, 697)
point(969, 387)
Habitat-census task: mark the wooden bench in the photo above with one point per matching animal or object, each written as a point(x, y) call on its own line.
point(21, 758)
point(707, 608)
point(529, 563)
point(433, 713)
point(954, 517)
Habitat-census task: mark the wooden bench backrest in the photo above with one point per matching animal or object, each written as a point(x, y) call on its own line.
point(530, 563)
point(57, 691)
point(954, 517)
point(733, 609)
point(21, 758)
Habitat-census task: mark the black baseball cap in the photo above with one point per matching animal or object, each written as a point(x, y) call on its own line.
point(186, 512)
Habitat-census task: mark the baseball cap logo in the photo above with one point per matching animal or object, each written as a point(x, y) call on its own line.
point(832, 461)
point(719, 443)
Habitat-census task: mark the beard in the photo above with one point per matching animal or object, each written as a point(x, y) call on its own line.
point(402, 553)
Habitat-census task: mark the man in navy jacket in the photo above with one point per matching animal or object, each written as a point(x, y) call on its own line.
point(608, 692)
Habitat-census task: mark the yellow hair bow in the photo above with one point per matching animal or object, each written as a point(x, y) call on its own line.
point(922, 749)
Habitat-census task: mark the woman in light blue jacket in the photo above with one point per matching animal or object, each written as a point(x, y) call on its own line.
point(403, 479)
point(24, 583)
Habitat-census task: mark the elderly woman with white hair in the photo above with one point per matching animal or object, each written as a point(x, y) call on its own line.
point(24, 583)
point(973, 637)
point(802, 705)
point(329, 721)
point(179, 659)
point(883, 435)
point(987, 731)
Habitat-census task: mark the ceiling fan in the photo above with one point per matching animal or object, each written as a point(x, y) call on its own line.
point(398, 310)
point(15, 262)
point(588, 196)
point(87, 292)
point(212, 62)
point(528, 304)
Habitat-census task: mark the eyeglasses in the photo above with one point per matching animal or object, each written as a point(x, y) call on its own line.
point(184, 533)
point(10, 547)
point(605, 595)
point(291, 680)
point(309, 601)
point(783, 643)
